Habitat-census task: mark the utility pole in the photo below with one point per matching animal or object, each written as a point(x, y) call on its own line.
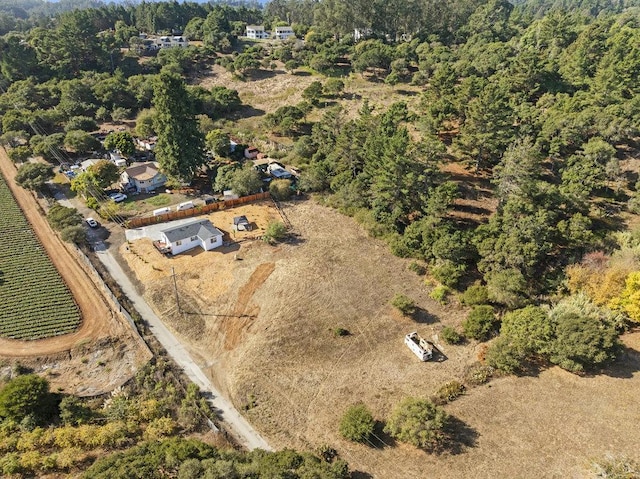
point(175, 288)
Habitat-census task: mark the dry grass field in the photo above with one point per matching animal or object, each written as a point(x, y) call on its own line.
point(266, 337)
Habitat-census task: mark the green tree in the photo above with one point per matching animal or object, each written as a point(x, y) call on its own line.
point(121, 141)
point(480, 323)
point(217, 141)
point(180, 147)
point(74, 234)
point(33, 176)
point(104, 172)
point(246, 181)
point(61, 217)
point(145, 123)
point(275, 232)
point(313, 92)
point(26, 395)
point(585, 336)
point(80, 141)
point(418, 422)
point(357, 423)
point(83, 123)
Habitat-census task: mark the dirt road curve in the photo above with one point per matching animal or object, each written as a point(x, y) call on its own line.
point(97, 318)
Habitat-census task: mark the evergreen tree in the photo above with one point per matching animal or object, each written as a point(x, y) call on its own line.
point(180, 147)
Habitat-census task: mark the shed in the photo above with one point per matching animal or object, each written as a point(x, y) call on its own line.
point(241, 223)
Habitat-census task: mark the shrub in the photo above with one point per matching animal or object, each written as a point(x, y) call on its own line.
point(276, 231)
point(341, 332)
point(451, 336)
point(74, 234)
point(404, 304)
point(280, 189)
point(440, 294)
point(448, 273)
point(478, 374)
point(480, 323)
point(506, 355)
point(475, 295)
point(448, 392)
point(357, 423)
point(418, 422)
point(417, 268)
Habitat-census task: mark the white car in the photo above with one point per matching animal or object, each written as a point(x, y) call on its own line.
point(118, 197)
point(92, 223)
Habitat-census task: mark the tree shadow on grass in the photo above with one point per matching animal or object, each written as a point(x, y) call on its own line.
point(379, 438)
point(462, 436)
point(423, 316)
point(625, 366)
point(361, 475)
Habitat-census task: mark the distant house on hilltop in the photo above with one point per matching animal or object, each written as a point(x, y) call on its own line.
point(282, 33)
point(143, 177)
point(256, 32)
point(172, 42)
point(190, 235)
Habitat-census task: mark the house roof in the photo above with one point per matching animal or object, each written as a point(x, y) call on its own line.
point(203, 229)
point(255, 27)
point(143, 171)
point(240, 220)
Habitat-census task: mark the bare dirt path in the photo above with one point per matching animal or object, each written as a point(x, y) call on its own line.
point(97, 318)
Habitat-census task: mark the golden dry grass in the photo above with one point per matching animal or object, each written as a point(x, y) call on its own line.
point(272, 344)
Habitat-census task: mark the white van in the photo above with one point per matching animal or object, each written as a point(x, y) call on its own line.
point(187, 205)
point(161, 211)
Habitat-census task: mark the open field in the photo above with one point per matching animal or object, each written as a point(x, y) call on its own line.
point(34, 301)
point(268, 90)
point(104, 351)
point(267, 337)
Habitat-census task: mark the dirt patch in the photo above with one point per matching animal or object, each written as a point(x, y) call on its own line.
point(99, 323)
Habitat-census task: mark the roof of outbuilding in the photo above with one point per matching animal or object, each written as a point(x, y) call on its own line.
point(203, 229)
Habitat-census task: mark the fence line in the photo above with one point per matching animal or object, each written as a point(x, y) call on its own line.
point(108, 291)
point(199, 210)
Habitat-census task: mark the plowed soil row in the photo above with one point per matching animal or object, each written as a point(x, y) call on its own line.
point(97, 318)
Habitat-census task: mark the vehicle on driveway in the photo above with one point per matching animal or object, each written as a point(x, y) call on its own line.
point(118, 197)
point(92, 223)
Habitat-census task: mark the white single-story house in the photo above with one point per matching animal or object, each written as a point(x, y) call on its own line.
point(282, 33)
point(256, 32)
point(143, 177)
point(187, 236)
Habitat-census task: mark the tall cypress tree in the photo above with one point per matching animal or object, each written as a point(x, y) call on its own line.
point(180, 146)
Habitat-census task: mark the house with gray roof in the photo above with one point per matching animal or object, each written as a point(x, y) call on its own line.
point(189, 235)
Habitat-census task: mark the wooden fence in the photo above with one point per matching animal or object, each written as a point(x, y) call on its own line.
point(198, 210)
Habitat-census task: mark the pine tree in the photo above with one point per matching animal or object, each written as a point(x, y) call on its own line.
point(180, 147)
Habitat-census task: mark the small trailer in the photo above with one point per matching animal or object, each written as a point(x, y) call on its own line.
point(420, 347)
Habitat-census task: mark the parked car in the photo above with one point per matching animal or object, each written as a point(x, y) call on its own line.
point(118, 197)
point(92, 223)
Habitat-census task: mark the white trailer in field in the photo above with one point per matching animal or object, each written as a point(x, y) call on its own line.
point(420, 347)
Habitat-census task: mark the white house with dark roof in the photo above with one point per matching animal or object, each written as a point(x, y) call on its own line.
point(143, 177)
point(189, 235)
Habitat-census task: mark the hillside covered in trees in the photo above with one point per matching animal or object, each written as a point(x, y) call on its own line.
point(508, 168)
